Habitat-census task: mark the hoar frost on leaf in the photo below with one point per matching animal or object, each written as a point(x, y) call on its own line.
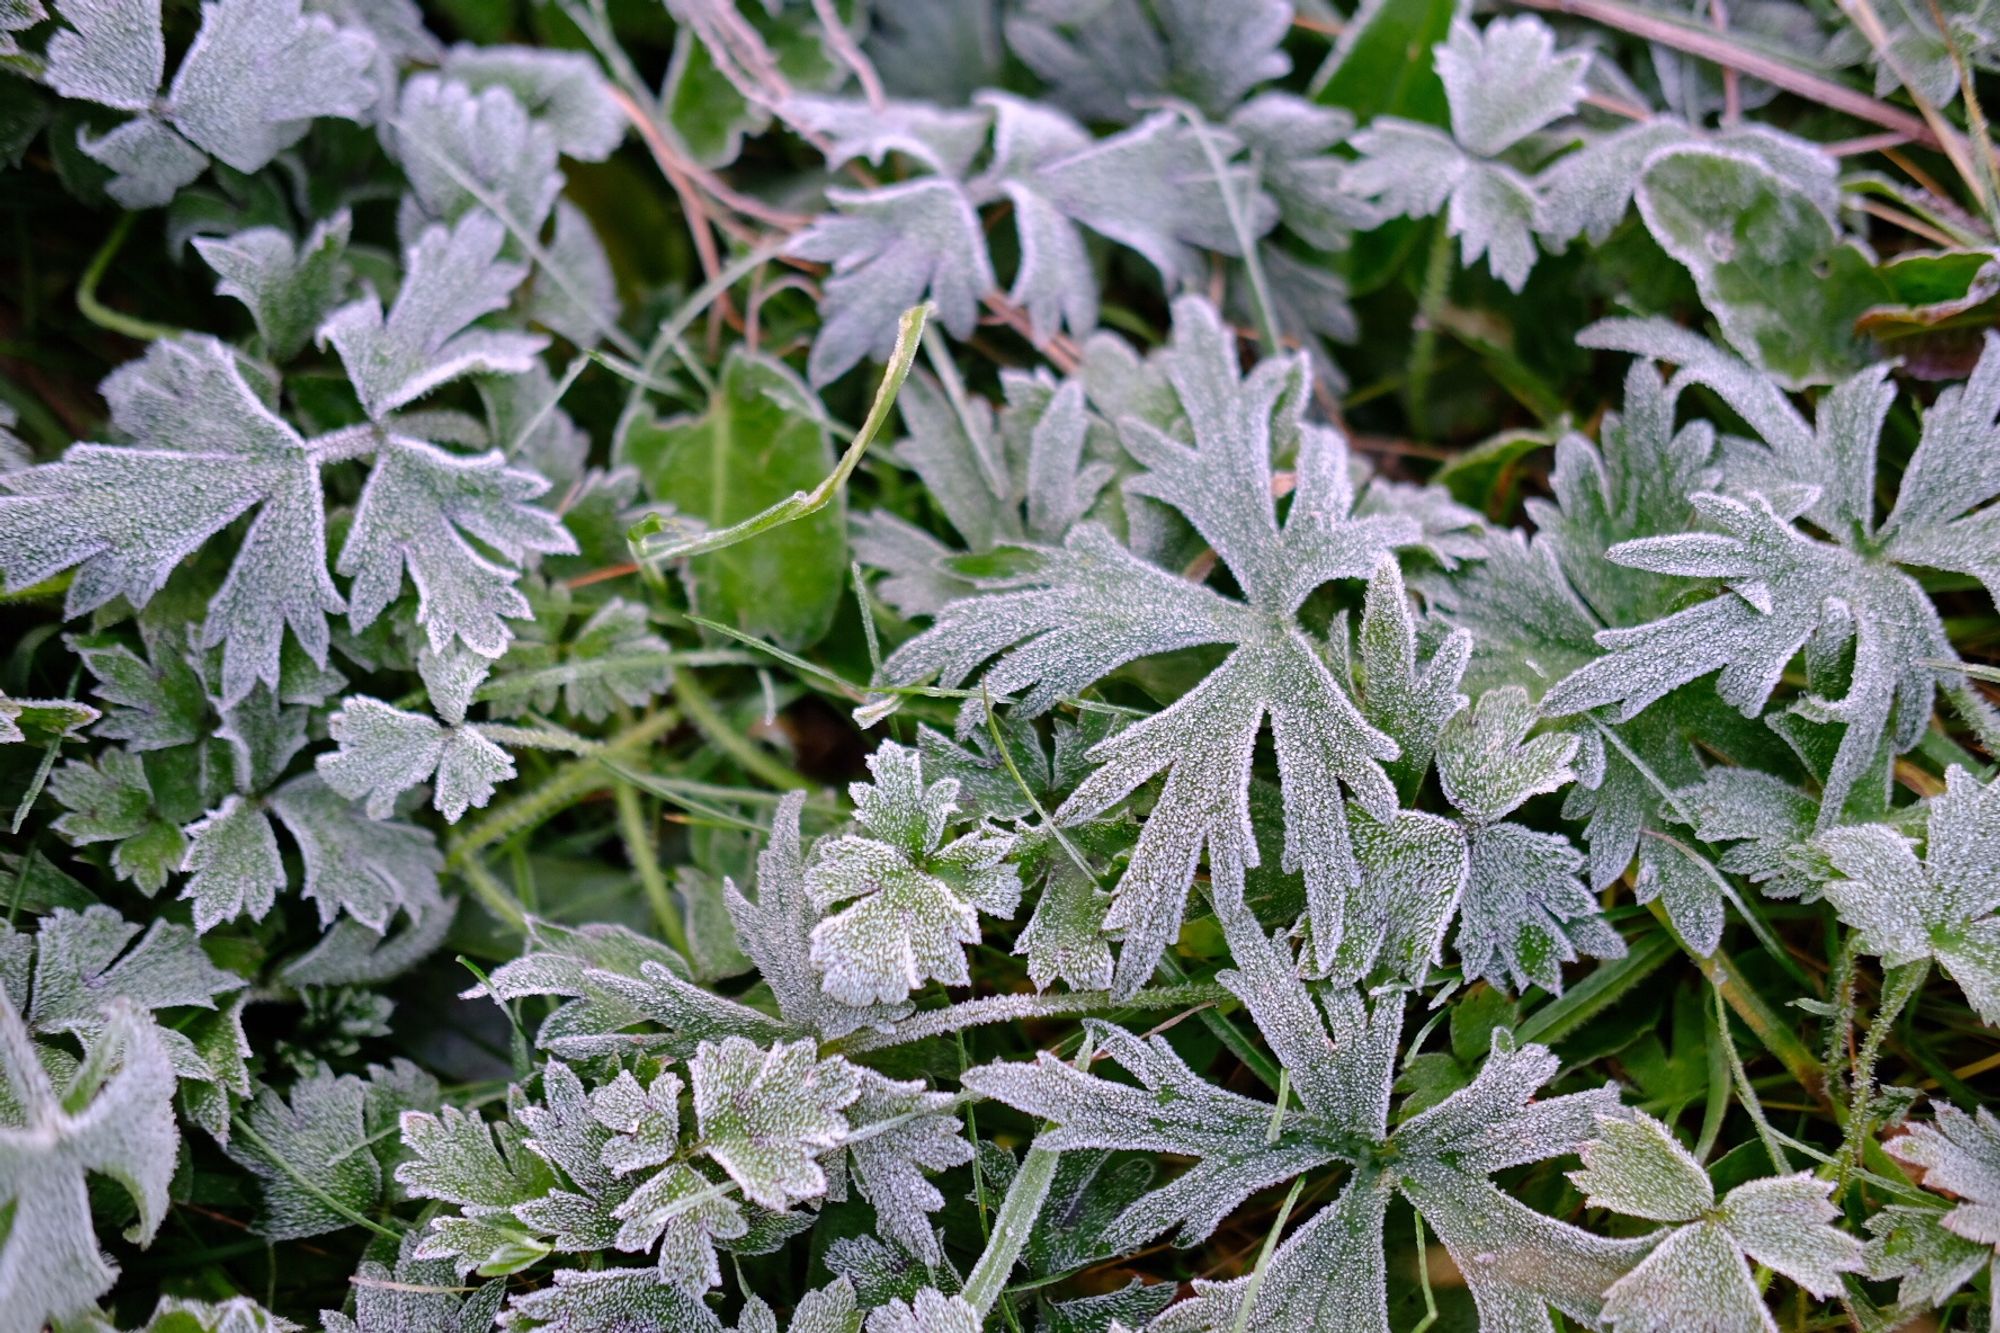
point(1503, 83)
point(1946, 907)
point(1067, 616)
point(1936, 1251)
point(1330, 1275)
point(913, 900)
point(256, 75)
point(1698, 1274)
point(1782, 590)
point(112, 1116)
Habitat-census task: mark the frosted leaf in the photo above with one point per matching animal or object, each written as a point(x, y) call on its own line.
point(1635, 1166)
point(1055, 281)
point(1516, 1261)
point(1947, 907)
point(1910, 1245)
point(1487, 764)
point(583, 303)
point(150, 163)
point(44, 720)
point(775, 930)
point(1130, 1306)
point(206, 451)
point(289, 287)
point(353, 954)
point(1686, 885)
point(931, 1312)
point(456, 145)
point(1782, 589)
point(1291, 140)
point(919, 1132)
point(1633, 483)
point(1526, 911)
point(111, 800)
point(1769, 820)
point(452, 277)
point(1152, 188)
point(318, 1145)
point(1959, 1154)
point(1328, 1274)
point(679, 1210)
point(564, 90)
point(256, 75)
point(415, 1297)
point(1405, 704)
point(645, 1121)
point(1587, 192)
point(1032, 474)
point(384, 751)
point(765, 1116)
point(1065, 936)
point(459, 1158)
point(1413, 872)
point(1411, 170)
point(1103, 59)
point(365, 867)
point(524, 421)
point(416, 512)
point(1698, 1274)
point(85, 963)
point(1762, 254)
point(233, 864)
point(113, 1116)
point(614, 658)
point(919, 898)
point(174, 1314)
point(890, 249)
point(1937, 521)
point(618, 1300)
point(259, 72)
point(1061, 618)
point(452, 679)
point(1171, 1110)
point(1506, 81)
point(944, 139)
point(939, 52)
point(112, 52)
point(1340, 1051)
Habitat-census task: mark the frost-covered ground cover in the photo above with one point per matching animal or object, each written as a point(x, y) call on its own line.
point(1078, 665)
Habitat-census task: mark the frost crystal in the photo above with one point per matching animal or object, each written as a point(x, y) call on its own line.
point(1071, 615)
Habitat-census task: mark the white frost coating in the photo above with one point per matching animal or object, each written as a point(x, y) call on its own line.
point(122, 1127)
point(1502, 84)
point(250, 85)
point(1074, 614)
point(890, 249)
point(1698, 1275)
point(919, 898)
point(1945, 908)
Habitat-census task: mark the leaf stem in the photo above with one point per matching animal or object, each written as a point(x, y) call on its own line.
point(909, 333)
point(645, 858)
point(103, 315)
point(277, 1159)
point(1014, 1008)
point(1423, 349)
point(1243, 1311)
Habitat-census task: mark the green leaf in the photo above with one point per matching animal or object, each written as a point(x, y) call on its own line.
point(112, 1116)
point(765, 1116)
point(1382, 65)
point(1773, 270)
point(763, 437)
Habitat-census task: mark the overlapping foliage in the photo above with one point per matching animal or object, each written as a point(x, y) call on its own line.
point(1399, 734)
